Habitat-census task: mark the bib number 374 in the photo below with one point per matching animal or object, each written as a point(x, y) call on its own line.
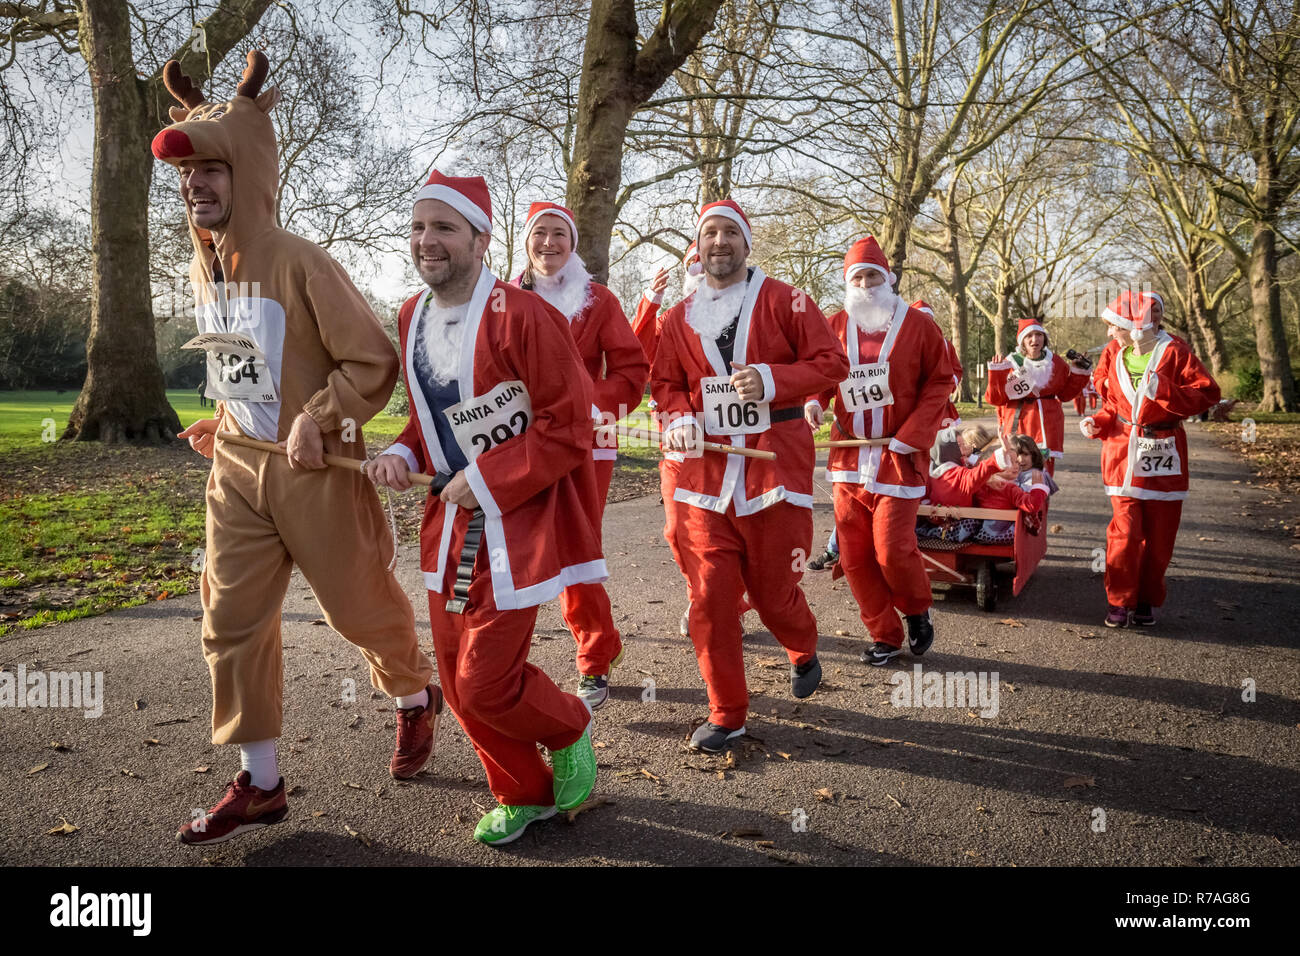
point(485, 421)
point(726, 414)
point(1157, 458)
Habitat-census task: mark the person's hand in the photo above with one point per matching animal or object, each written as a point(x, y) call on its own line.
point(659, 282)
point(747, 383)
point(996, 360)
point(1088, 426)
point(812, 414)
point(304, 445)
point(1008, 449)
point(997, 481)
point(389, 471)
point(683, 438)
point(202, 436)
point(458, 492)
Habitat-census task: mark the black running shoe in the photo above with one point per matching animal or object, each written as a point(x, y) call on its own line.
point(805, 678)
point(1143, 616)
point(880, 654)
point(920, 632)
point(711, 738)
point(828, 559)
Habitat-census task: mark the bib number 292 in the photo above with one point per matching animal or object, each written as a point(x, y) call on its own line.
point(485, 421)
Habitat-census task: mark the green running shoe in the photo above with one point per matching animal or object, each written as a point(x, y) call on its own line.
point(575, 771)
point(506, 824)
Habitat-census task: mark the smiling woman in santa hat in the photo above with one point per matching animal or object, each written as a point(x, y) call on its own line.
point(1028, 387)
point(1149, 381)
point(618, 370)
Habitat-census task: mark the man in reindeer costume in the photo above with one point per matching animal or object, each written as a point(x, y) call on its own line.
point(297, 357)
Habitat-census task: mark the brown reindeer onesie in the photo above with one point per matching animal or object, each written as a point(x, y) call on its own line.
point(324, 352)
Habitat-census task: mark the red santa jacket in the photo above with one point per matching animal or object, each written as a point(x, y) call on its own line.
point(531, 484)
point(615, 362)
point(783, 334)
point(951, 414)
point(1149, 461)
point(914, 352)
point(1042, 416)
point(954, 486)
point(1011, 496)
point(646, 323)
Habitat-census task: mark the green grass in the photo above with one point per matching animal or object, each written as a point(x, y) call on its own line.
point(24, 416)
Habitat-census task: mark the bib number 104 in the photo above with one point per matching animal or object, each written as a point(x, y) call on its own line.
point(235, 368)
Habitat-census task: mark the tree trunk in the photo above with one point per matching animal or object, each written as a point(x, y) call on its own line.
point(958, 308)
point(1205, 320)
point(1270, 335)
point(123, 398)
point(616, 81)
point(1003, 317)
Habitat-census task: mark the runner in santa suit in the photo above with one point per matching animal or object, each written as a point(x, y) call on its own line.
point(1028, 387)
point(735, 361)
point(1087, 399)
point(617, 369)
point(1149, 381)
point(951, 417)
point(898, 385)
point(501, 411)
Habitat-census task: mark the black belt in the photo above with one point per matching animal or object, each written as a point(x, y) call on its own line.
point(457, 603)
point(786, 414)
point(1148, 431)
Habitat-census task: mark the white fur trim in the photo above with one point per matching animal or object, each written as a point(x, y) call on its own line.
point(898, 448)
point(573, 228)
point(769, 383)
point(726, 212)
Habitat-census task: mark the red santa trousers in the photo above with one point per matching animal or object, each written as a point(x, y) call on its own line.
point(506, 705)
point(585, 607)
point(668, 469)
point(879, 556)
point(1139, 545)
point(724, 555)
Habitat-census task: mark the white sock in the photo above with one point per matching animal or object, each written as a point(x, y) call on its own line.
point(258, 758)
point(413, 700)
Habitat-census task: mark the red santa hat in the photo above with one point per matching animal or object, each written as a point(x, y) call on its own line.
point(468, 195)
point(692, 260)
point(728, 209)
point(922, 306)
point(539, 209)
point(1028, 325)
point(867, 254)
point(1132, 311)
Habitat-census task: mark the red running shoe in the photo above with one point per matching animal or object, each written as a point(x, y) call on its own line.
point(417, 731)
point(243, 808)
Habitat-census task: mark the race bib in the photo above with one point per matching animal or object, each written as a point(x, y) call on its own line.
point(237, 369)
point(726, 414)
point(1017, 388)
point(867, 387)
point(1157, 458)
point(486, 421)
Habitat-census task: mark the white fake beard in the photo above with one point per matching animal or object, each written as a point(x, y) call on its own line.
point(691, 282)
point(443, 331)
point(711, 310)
point(870, 309)
point(568, 290)
point(1037, 372)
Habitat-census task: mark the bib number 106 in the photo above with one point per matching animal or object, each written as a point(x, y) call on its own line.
point(736, 415)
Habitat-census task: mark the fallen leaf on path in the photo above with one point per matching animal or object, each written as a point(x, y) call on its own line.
point(60, 747)
point(783, 755)
point(825, 795)
point(140, 704)
point(354, 786)
point(129, 773)
point(64, 827)
point(1010, 622)
point(1057, 528)
point(591, 804)
point(152, 742)
point(318, 813)
point(319, 621)
point(897, 802)
point(843, 634)
point(600, 745)
point(359, 836)
point(1072, 782)
point(743, 834)
point(37, 769)
point(202, 769)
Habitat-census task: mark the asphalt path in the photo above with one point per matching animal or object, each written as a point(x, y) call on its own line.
point(1108, 747)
